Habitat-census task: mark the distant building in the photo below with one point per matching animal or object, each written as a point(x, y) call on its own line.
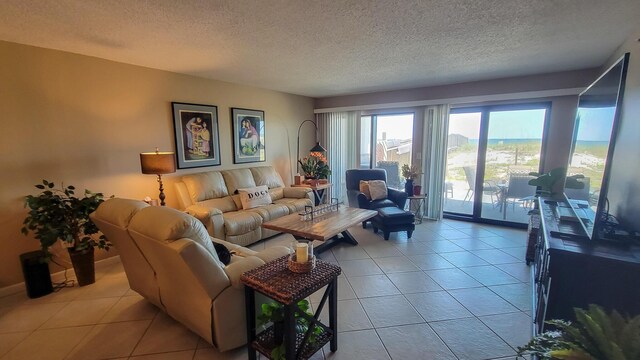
point(456, 140)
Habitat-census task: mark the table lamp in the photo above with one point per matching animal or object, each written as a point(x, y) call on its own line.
point(158, 163)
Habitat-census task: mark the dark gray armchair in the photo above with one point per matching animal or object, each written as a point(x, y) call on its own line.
point(395, 198)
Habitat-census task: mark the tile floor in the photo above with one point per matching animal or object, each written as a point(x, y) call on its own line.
point(455, 290)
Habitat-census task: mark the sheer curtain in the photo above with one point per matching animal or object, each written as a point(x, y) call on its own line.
point(436, 128)
point(338, 135)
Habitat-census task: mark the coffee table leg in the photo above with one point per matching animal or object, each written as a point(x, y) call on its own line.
point(249, 300)
point(333, 314)
point(348, 238)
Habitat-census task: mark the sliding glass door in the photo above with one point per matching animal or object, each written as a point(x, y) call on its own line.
point(490, 154)
point(386, 142)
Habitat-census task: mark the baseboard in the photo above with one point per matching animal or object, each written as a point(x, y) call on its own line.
point(58, 276)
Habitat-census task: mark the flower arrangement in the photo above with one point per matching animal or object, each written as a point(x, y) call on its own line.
point(315, 166)
point(410, 172)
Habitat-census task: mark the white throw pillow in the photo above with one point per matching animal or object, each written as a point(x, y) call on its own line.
point(254, 197)
point(378, 189)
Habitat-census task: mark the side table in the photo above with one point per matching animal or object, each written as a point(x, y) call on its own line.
point(320, 191)
point(276, 281)
point(418, 206)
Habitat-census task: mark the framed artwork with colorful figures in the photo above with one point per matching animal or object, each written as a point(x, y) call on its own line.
point(248, 128)
point(197, 136)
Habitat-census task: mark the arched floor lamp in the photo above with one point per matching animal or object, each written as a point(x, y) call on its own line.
point(316, 148)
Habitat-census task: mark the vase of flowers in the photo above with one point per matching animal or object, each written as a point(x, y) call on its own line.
point(315, 166)
point(410, 173)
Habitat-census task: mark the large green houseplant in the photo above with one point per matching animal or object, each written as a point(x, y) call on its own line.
point(594, 336)
point(58, 214)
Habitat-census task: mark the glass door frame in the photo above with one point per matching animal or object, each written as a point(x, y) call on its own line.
point(374, 132)
point(483, 140)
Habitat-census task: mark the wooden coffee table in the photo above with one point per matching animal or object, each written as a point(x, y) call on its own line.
point(330, 228)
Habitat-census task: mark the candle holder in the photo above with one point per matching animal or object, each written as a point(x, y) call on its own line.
point(302, 258)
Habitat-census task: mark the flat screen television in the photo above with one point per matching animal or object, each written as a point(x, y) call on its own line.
point(594, 141)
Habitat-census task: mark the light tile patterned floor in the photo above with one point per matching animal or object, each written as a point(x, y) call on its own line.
point(455, 290)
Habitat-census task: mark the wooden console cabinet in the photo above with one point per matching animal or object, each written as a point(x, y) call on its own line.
point(569, 272)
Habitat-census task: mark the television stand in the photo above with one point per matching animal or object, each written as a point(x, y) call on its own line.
point(569, 271)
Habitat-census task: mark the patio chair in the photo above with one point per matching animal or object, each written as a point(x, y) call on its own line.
point(393, 173)
point(518, 190)
point(489, 187)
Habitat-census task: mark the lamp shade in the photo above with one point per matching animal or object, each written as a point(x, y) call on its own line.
point(158, 163)
point(318, 148)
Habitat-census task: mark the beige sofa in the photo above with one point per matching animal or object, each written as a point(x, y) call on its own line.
point(212, 198)
point(169, 258)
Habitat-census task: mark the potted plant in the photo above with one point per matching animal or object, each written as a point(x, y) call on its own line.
point(410, 173)
point(595, 335)
point(57, 214)
point(315, 166)
point(547, 182)
point(274, 313)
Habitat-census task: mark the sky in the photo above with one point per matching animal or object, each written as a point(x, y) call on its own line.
point(595, 123)
point(513, 124)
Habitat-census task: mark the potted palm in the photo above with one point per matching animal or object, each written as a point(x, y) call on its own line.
point(58, 214)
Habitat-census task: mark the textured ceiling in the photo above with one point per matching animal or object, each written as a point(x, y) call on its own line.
point(324, 48)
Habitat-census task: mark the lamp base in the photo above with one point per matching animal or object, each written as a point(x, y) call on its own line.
point(161, 196)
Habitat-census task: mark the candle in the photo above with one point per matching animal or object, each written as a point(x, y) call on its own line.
point(302, 252)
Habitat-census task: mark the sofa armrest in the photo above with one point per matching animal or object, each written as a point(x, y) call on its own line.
point(298, 192)
point(235, 270)
point(240, 250)
point(397, 196)
point(212, 219)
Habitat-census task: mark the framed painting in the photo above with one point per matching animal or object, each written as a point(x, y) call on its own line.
point(197, 136)
point(248, 135)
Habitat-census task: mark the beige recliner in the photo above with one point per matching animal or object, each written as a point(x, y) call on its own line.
point(181, 270)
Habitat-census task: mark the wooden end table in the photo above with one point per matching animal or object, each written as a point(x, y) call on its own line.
point(276, 281)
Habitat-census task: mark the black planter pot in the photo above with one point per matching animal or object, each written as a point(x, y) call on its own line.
point(37, 278)
point(83, 265)
point(408, 187)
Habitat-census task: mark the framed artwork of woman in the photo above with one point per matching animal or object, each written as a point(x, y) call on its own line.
point(197, 137)
point(248, 135)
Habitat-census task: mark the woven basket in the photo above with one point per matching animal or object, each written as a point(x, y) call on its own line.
point(301, 267)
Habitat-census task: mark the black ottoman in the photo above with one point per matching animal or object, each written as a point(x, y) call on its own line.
point(393, 219)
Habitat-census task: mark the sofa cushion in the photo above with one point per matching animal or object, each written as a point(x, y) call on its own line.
point(238, 179)
point(377, 204)
point(295, 205)
point(224, 204)
point(204, 186)
point(167, 225)
point(276, 193)
point(377, 189)
point(364, 188)
point(254, 197)
point(271, 212)
point(267, 175)
point(241, 222)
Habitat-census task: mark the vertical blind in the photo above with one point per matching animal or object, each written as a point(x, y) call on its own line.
point(436, 127)
point(338, 136)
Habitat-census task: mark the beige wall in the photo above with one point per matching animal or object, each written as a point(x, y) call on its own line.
point(84, 120)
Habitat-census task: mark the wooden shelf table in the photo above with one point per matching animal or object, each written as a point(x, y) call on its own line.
point(276, 281)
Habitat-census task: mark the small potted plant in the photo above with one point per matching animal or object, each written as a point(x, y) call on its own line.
point(57, 214)
point(315, 167)
point(274, 313)
point(410, 173)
